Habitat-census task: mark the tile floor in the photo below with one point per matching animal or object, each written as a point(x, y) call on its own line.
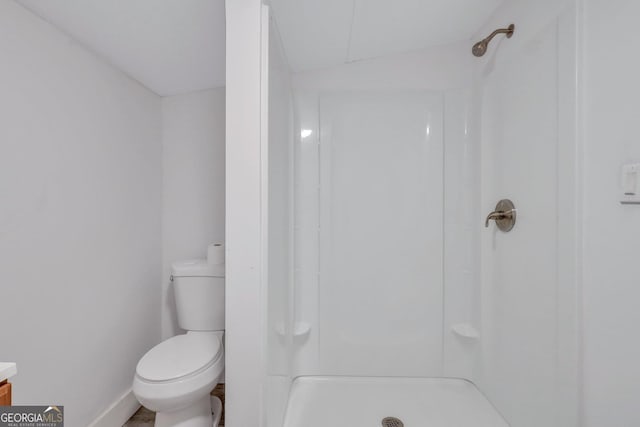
point(146, 418)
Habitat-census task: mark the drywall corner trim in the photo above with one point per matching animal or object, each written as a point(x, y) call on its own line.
point(119, 412)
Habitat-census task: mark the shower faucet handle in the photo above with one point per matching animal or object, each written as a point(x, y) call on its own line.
point(504, 215)
point(495, 216)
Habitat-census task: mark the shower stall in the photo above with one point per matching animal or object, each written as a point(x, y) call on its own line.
point(395, 288)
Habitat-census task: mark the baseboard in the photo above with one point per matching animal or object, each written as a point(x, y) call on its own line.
point(118, 413)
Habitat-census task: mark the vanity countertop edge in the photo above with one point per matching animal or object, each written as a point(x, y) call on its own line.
point(7, 370)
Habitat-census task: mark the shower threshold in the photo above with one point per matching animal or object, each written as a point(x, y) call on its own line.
point(367, 401)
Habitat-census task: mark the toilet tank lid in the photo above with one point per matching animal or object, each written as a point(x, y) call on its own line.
point(196, 268)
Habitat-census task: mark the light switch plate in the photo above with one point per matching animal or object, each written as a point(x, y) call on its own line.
point(630, 184)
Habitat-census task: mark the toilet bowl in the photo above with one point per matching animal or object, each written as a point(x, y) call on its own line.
point(175, 378)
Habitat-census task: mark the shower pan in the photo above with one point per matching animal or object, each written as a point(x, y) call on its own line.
point(391, 298)
point(388, 402)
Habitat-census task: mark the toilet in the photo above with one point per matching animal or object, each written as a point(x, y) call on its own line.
point(175, 378)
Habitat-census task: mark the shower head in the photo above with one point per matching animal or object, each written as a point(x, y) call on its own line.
point(480, 48)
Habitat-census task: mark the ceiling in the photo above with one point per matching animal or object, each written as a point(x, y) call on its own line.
point(321, 33)
point(178, 46)
point(170, 46)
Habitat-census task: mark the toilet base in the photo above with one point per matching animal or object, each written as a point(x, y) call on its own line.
point(196, 415)
point(216, 409)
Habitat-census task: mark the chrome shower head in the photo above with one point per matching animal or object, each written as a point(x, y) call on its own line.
point(480, 48)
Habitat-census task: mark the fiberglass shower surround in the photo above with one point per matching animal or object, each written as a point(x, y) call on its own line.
point(388, 299)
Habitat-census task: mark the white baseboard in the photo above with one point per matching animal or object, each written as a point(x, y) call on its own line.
point(118, 413)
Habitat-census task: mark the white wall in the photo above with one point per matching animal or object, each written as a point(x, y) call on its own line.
point(528, 361)
point(192, 184)
point(381, 236)
point(280, 223)
point(80, 176)
point(443, 73)
point(245, 316)
point(611, 231)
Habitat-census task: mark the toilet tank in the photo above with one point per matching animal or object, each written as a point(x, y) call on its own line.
point(199, 292)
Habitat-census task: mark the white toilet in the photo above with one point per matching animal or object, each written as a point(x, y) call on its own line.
point(175, 377)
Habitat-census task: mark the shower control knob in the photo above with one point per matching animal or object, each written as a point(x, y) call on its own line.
point(504, 215)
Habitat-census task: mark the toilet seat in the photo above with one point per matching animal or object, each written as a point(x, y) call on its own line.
point(180, 357)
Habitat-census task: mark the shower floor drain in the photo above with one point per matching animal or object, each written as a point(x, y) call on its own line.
point(392, 422)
